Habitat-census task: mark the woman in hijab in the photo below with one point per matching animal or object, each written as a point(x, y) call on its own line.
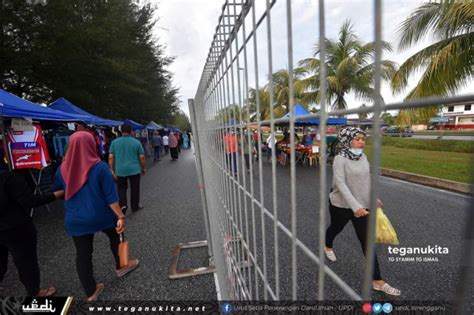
point(91, 204)
point(350, 198)
point(185, 141)
point(173, 143)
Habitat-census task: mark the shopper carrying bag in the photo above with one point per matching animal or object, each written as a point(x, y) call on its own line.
point(349, 199)
point(91, 203)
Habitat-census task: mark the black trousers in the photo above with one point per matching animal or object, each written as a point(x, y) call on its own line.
point(339, 219)
point(20, 242)
point(84, 248)
point(174, 153)
point(122, 185)
point(247, 161)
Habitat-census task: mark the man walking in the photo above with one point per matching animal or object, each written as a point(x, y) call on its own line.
point(156, 142)
point(166, 143)
point(230, 144)
point(127, 162)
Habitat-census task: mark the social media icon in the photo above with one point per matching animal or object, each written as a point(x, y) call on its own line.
point(377, 308)
point(387, 308)
point(367, 308)
point(226, 308)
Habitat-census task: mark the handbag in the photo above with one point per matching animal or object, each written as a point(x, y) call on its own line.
point(123, 251)
point(384, 231)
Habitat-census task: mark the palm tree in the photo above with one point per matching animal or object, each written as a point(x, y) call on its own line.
point(349, 69)
point(448, 64)
point(264, 97)
point(363, 116)
point(281, 83)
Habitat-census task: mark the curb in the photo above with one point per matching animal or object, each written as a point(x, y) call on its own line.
point(429, 181)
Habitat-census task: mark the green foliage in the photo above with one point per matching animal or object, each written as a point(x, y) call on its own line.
point(100, 55)
point(181, 121)
point(447, 65)
point(388, 118)
point(349, 69)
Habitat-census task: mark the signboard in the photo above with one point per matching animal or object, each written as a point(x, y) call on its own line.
point(22, 124)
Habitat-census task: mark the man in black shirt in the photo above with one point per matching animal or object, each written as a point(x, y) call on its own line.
point(17, 232)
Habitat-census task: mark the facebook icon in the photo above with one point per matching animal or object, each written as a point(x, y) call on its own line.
point(226, 308)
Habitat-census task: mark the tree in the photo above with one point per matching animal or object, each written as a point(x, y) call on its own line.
point(19, 56)
point(101, 55)
point(281, 84)
point(281, 96)
point(181, 121)
point(264, 99)
point(447, 64)
point(349, 69)
point(388, 118)
point(363, 116)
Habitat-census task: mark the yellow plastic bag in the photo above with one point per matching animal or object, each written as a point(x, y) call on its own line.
point(384, 231)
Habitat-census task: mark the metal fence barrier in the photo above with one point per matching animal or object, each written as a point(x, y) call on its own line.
point(245, 231)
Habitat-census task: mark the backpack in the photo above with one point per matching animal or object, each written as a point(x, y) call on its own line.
point(4, 175)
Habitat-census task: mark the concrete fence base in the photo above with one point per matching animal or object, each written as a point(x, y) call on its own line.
point(429, 181)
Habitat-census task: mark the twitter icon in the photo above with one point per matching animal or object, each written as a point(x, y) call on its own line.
point(377, 308)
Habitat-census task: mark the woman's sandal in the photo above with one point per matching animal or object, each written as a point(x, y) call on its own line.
point(386, 288)
point(44, 292)
point(330, 255)
point(99, 288)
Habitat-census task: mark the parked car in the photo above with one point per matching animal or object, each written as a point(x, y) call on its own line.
point(400, 131)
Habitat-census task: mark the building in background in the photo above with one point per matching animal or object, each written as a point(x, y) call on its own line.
point(459, 116)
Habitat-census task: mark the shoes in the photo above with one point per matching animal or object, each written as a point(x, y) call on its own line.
point(140, 207)
point(99, 288)
point(44, 292)
point(124, 209)
point(386, 288)
point(330, 255)
point(132, 265)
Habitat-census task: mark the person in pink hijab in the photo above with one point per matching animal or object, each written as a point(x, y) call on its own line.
point(91, 203)
point(173, 143)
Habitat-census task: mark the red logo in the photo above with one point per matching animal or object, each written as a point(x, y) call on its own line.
point(367, 308)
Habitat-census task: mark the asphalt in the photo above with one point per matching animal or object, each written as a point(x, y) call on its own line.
point(172, 215)
point(422, 216)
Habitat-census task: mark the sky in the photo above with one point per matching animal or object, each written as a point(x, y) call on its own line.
point(186, 28)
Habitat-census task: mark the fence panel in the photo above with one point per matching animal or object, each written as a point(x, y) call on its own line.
point(259, 244)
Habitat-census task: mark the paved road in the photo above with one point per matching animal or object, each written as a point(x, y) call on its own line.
point(168, 219)
point(422, 217)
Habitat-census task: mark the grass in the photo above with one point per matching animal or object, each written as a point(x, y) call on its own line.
point(460, 146)
point(469, 132)
point(455, 166)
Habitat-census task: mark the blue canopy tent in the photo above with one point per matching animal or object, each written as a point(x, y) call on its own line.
point(174, 129)
point(232, 122)
point(133, 124)
point(12, 106)
point(154, 126)
point(298, 110)
point(64, 105)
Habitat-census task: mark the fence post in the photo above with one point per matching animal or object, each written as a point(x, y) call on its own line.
point(213, 247)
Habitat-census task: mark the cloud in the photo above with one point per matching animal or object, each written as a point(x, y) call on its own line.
point(187, 27)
